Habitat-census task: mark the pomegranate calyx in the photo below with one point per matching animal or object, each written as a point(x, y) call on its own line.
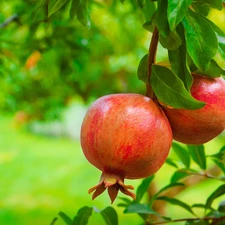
point(114, 183)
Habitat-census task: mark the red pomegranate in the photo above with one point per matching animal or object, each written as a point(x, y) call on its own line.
point(202, 125)
point(124, 136)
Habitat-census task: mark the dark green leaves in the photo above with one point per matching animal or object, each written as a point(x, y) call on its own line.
point(217, 193)
point(142, 71)
point(170, 89)
point(176, 11)
point(139, 208)
point(201, 40)
point(79, 8)
point(82, 216)
point(177, 202)
point(198, 155)
point(143, 187)
point(110, 216)
point(178, 60)
point(217, 4)
point(182, 153)
point(55, 5)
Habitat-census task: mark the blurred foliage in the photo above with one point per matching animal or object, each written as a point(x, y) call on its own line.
point(47, 61)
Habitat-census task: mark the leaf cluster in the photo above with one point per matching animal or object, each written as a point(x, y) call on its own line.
point(192, 42)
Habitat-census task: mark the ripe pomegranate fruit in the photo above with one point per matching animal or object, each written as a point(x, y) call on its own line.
point(124, 136)
point(201, 125)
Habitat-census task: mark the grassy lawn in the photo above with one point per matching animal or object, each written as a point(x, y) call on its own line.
point(41, 176)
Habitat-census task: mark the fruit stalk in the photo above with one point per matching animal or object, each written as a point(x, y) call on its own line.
point(151, 60)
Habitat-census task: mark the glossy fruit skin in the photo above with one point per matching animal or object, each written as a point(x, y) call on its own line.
point(201, 125)
point(127, 135)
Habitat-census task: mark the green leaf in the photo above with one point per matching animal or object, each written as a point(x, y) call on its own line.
point(38, 5)
point(161, 18)
point(149, 26)
point(171, 162)
point(83, 13)
point(217, 193)
point(55, 5)
point(140, 208)
point(82, 216)
point(65, 218)
point(175, 201)
point(142, 71)
point(74, 7)
point(182, 153)
point(178, 175)
point(143, 187)
point(171, 185)
point(110, 216)
point(201, 9)
point(172, 41)
point(176, 11)
point(149, 10)
point(174, 93)
point(178, 61)
point(214, 70)
point(198, 155)
point(198, 34)
point(219, 159)
point(220, 37)
point(217, 4)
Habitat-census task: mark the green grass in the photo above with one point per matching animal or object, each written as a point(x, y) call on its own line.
point(41, 176)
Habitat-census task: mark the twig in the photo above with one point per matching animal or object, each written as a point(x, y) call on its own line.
point(9, 20)
point(151, 60)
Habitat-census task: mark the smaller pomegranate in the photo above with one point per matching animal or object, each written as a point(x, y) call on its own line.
point(124, 136)
point(201, 125)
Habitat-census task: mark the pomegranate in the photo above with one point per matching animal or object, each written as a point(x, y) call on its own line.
point(124, 136)
point(201, 125)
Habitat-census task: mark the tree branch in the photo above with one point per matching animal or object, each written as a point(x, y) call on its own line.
point(151, 60)
point(9, 20)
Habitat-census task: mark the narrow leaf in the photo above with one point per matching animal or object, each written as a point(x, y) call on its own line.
point(176, 11)
point(219, 159)
point(175, 201)
point(83, 13)
point(82, 216)
point(149, 10)
point(182, 153)
point(142, 71)
point(174, 93)
point(178, 60)
point(217, 193)
point(178, 175)
point(38, 5)
point(214, 70)
point(55, 5)
point(143, 187)
point(220, 36)
point(65, 218)
point(74, 7)
point(110, 216)
point(202, 9)
point(198, 155)
point(171, 185)
point(171, 162)
point(172, 41)
point(140, 208)
point(198, 34)
point(161, 18)
point(217, 4)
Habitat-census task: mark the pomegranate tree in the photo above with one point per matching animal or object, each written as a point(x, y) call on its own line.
point(201, 125)
point(124, 136)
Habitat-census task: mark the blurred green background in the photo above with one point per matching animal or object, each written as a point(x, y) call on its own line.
point(51, 69)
